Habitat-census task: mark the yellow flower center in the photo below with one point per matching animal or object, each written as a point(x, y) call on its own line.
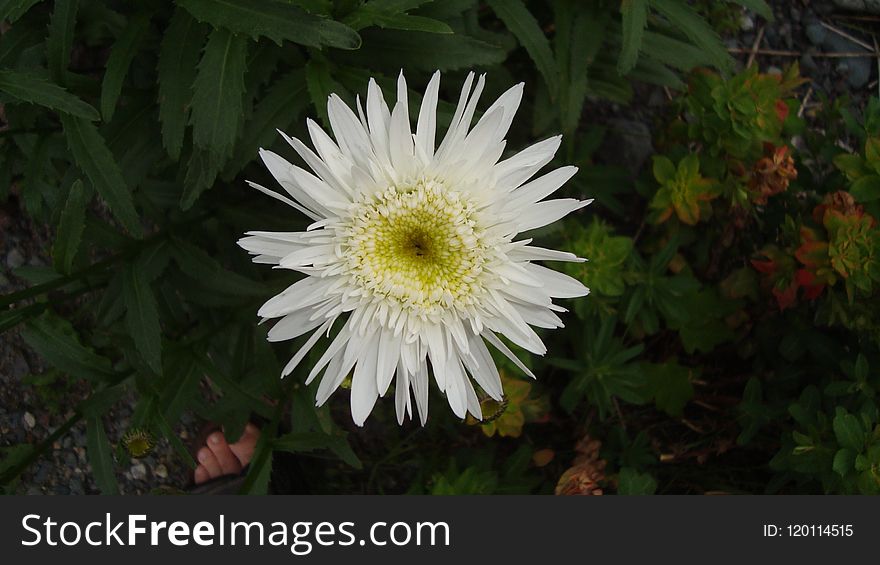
point(419, 245)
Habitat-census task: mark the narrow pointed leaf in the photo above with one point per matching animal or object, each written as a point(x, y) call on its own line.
point(273, 19)
point(525, 27)
point(70, 228)
point(60, 39)
point(635, 18)
point(217, 92)
point(121, 56)
point(142, 315)
point(96, 161)
point(100, 454)
point(36, 90)
point(178, 58)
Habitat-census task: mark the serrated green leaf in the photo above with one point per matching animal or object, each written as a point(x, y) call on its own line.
point(11, 10)
point(377, 14)
point(217, 93)
point(275, 20)
point(70, 228)
point(178, 59)
point(100, 454)
point(14, 42)
point(202, 267)
point(121, 55)
point(36, 90)
point(94, 158)
point(56, 341)
point(142, 315)
point(60, 38)
point(394, 49)
point(282, 104)
point(525, 27)
point(321, 85)
point(201, 172)
point(635, 18)
point(672, 52)
point(686, 20)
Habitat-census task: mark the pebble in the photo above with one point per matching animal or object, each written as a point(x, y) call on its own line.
point(138, 472)
point(161, 471)
point(29, 420)
point(14, 259)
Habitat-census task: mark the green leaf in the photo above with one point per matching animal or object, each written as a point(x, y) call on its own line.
point(34, 89)
point(321, 85)
point(11, 10)
point(373, 13)
point(142, 315)
point(685, 19)
point(282, 104)
point(635, 18)
point(525, 27)
point(201, 171)
point(670, 385)
point(631, 482)
point(167, 431)
point(100, 455)
point(56, 341)
point(672, 52)
point(848, 431)
point(273, 19)
point(396, 49)
point(844, 461)
point(97, 162)
point(60, 38)
point(14, 42)
point(121, 55)
point(760, 7)
point(866, 188)
point(217, 93)
point(70, 228)
point(178, 58)
point(203, 268)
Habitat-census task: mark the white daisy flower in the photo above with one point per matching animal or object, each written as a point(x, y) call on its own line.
point(411, 256)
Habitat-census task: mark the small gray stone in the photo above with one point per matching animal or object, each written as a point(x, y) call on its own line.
point(29, 420)
point(161, 471)
point(816, 33)
point(138, 472)
point(14, 259)
point(808, 64)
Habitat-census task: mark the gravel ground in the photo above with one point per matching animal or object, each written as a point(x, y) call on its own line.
point(29, 413)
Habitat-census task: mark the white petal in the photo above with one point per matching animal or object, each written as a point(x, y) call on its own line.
point(293, 325)
point(541, 187)
point(543, 213)
point(303, 351)
point(426, 127)
point(363, 385)
point(521, 167)
point(558, 285)
point(284, 199)
point(499, 345)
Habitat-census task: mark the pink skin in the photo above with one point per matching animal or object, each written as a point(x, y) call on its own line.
point(218, 457)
